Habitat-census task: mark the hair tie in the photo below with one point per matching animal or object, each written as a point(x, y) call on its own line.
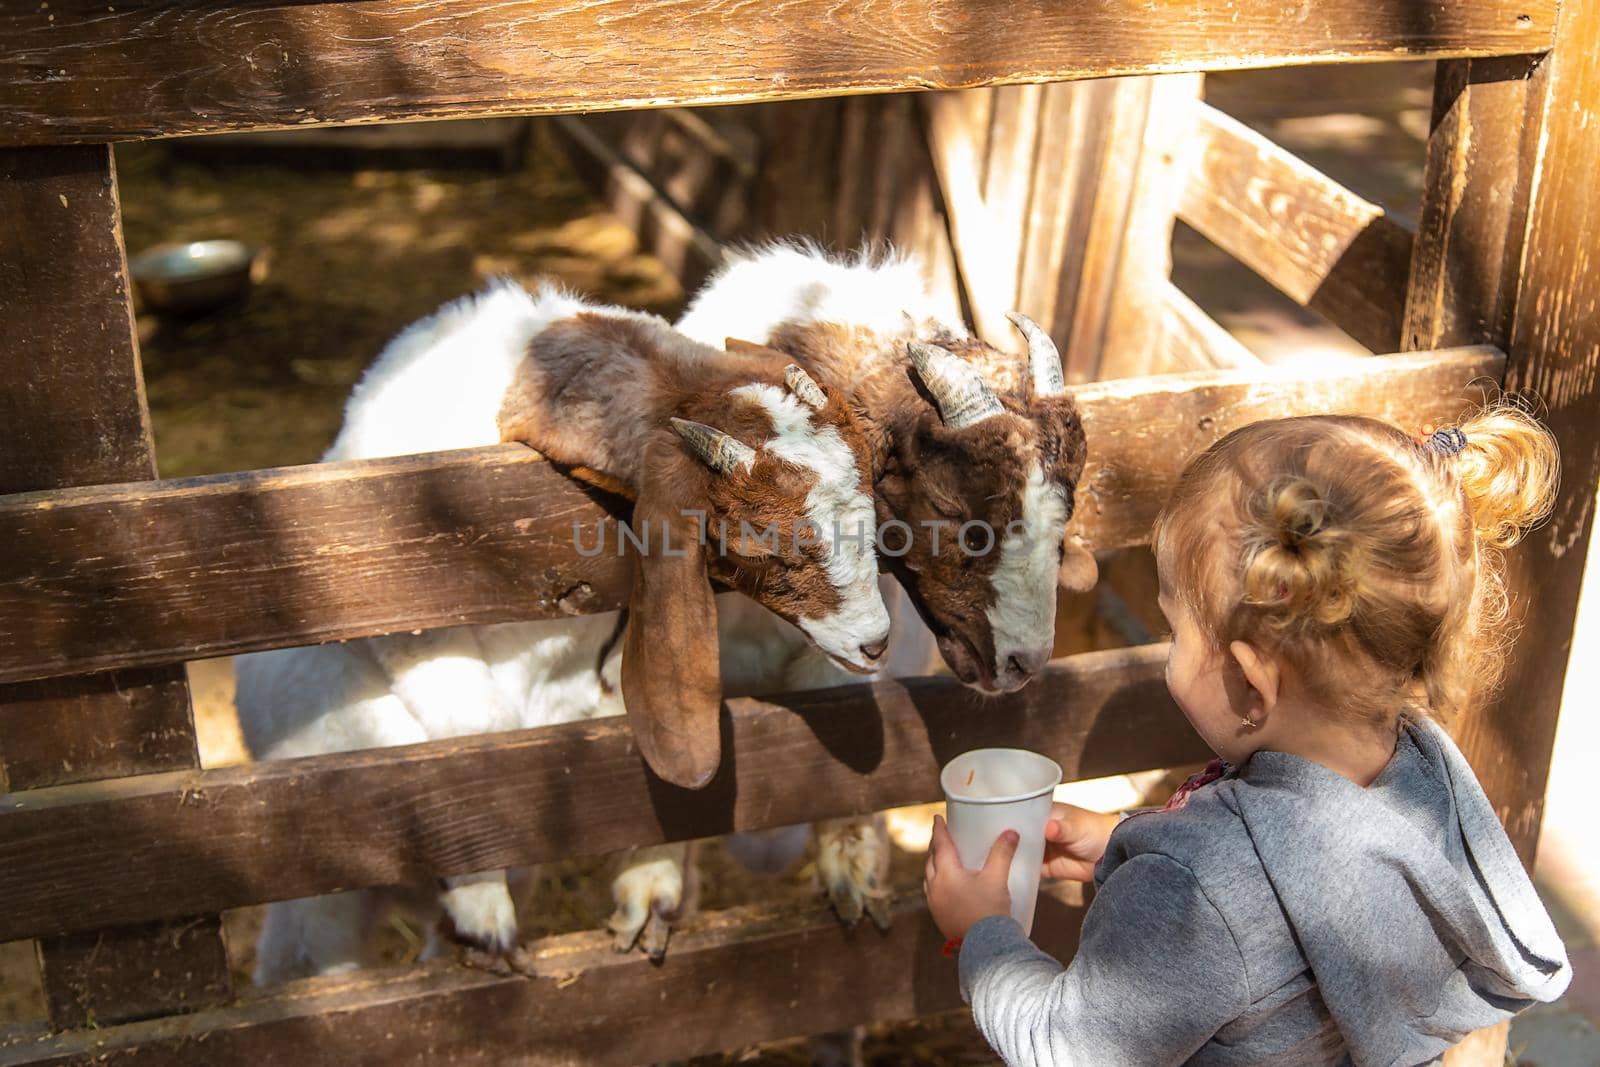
point(1446, 442)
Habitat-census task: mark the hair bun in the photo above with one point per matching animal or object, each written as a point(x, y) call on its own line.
point(1508, 471)
point(1296, 565)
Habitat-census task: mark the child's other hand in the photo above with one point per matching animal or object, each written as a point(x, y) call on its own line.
point(957, 897)
point(1074, 840)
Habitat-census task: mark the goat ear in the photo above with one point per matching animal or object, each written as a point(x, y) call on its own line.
point(671, 685)
point(1079, 572)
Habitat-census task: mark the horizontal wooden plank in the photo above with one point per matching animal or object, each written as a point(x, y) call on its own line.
point(733, 978)
point(187, 569)
point(77, 70)
point(1142, 431)
point(1321, 244)
point(143, 574)
point(190, 842)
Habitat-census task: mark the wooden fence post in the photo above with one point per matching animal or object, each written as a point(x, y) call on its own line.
point(1509, 183)
point(72, 412)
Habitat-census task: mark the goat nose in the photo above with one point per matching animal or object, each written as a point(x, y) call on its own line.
point(1026, 664)
point(876, 649)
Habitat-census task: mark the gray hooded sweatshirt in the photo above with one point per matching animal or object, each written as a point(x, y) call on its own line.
point(1284, 916)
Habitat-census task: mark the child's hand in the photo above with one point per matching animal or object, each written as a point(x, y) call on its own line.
point(1074, 840)
point(957, 897)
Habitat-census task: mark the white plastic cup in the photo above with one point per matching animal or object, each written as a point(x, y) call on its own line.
point(991, 790)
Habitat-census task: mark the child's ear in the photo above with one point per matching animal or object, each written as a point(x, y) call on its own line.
point(1260, 671)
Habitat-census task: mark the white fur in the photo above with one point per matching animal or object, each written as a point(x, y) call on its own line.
point(842, 518)
point(760, 652)
point(480, 907)
point(439, 385)
point(1022, 616)
point(796, 283)
point(779, 284)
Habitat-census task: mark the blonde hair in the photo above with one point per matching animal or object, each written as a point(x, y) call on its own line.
point(1367, 561)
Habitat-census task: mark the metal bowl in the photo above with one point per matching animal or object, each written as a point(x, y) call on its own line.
point(193, 277)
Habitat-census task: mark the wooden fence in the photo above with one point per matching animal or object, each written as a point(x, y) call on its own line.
point(117, 852)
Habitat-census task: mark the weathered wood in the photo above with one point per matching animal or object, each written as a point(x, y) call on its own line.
point(664, 229)
point(147, 970)
point(1554, 355)
point(1510, 138)
point(1154, 117)
point(74, 729)
point(1476, 183)
point(1111, 117)
point(984, 239)
point(187, 843)
point(209, 566)
point(72, 411)
point(1143, 431)
point(72, 408)
point(89, 71)
point(733, 978)
point(1320, 244)
point(1194, 338)
point(136, 575)
point(1066, 163)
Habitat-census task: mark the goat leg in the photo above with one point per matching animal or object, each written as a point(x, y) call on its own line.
point(657, 888)
point(853, 867)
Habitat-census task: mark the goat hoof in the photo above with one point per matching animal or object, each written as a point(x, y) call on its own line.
point(846, 904)
point(880, 912)
point(852, 862)
point(654, 937)
point(516, 961)
point(651, 935)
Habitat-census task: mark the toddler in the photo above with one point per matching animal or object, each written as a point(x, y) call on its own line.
point(1335, 889)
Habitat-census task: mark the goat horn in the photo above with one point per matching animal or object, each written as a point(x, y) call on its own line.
point(961, 395)
point(1043, 359)
point(716, 449)
point(805, 390)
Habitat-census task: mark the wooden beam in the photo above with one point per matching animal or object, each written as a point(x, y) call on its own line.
point(184, 843)
point(1056, 258)
point(1111, 118)
point(1554, 356)
point(72, 412)
point(663, 227)
point(1153, 119)
point(1508, 221)
point(1142, 431)
point(301, 555)
point(733, 978)
point(1319, 243)
point(80, 70)
point(1476, 183)
point(137, 575)
point(1196, 339)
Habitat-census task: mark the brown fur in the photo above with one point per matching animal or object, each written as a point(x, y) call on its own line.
point(595, 392)
point(924, 472)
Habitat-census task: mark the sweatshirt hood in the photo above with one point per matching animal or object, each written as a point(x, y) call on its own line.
point(1442, 934)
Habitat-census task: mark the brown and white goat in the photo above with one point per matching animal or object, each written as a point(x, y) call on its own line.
point(976, 456)
point(976, 453)
point(695, 438)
